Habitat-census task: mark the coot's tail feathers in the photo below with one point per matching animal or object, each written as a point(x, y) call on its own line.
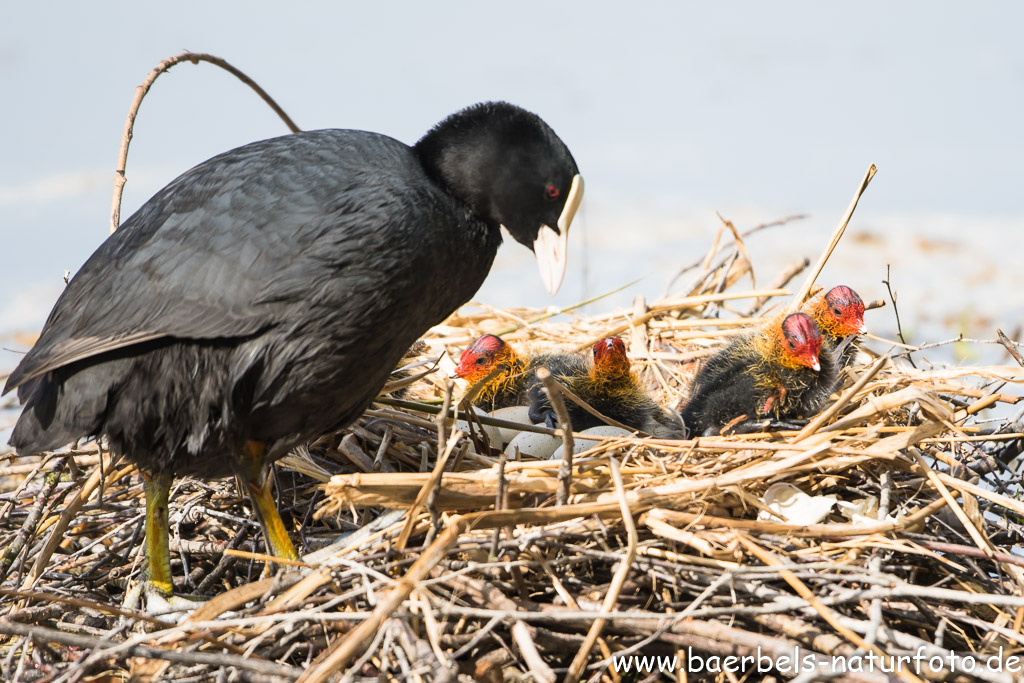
point(57, 412)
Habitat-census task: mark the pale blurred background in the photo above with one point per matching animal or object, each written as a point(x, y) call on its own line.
point(674, 111)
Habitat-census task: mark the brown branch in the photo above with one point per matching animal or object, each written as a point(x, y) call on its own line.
point(28, 528)
point(1010, 346)
point(214, 659)
point(553, 390)
point(140, 92)
point(837, 234)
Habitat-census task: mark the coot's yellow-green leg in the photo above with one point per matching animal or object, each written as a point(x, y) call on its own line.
point(257, 485)
point(157, 488)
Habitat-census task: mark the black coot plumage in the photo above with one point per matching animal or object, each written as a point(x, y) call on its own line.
point(261, 298)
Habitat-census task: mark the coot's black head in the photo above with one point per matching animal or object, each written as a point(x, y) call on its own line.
point(511, 169)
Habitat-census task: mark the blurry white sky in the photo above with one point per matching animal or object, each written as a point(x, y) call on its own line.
point(672, 110)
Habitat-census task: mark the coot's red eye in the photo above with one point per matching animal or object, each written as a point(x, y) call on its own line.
point(552, 191)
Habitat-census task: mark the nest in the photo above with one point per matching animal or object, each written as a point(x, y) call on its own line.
point(431, 556)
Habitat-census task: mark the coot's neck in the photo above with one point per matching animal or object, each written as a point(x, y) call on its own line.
point(463, 160)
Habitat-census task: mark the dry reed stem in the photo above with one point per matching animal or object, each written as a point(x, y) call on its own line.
point(554, 393)
point(679, 305)
point(837, 234)
point(847, 396)
point(580, 661)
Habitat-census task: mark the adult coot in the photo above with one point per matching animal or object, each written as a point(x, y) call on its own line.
point(261, 299)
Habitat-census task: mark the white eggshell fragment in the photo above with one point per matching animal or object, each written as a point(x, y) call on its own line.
point(520, 414)
point(493, 433)
point(533, 445)
point(863, 511)
point(579, 445)
point(794, 506)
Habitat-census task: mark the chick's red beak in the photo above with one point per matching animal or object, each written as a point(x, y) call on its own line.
point(466, 363)
point(810, 354)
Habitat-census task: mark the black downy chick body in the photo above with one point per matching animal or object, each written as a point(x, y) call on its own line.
point(510, 375)
point(779, 372)
point(608, 385)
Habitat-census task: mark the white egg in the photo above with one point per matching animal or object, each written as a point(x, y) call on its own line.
point(534, 445)
point(579, 445)
point(493, 433)
point(520, 414)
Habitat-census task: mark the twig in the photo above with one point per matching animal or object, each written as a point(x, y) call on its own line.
point(214, 659)
point(442, 424)
point(711, 254)
point(615, 587)
point(342, 650)
point(798, 300)
point(896, 312)
point(70, 510)
point(1010, 346)
point(428, 487)
point(552, 389)
point(788, 274)
point(28, 528)
point(140, 93)
point(827, 614)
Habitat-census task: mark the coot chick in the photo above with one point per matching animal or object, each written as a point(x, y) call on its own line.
point(260, 300)
point(778, 372)
point(609, 386)
point(839, 314)
point(514, 373)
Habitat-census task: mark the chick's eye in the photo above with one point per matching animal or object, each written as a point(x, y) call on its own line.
point(551, 191)
point(480, 360)
point(791, 344)
point(837, 311)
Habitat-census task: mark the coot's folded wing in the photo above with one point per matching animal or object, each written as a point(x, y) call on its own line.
point(233, 246)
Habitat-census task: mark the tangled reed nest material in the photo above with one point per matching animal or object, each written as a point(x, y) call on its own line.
point(480, 574)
